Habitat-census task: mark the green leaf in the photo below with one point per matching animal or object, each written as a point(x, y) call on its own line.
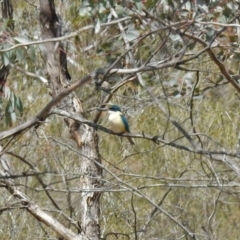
point(1, 107)
point(12, 100)
point(131, 36)
point(22, 39)
point(7, 92)
point(132, 33)
point(102, 7)
point(5, 59)
point(209, 35)
point(176, 93)
point(8, 118)
point(111, 2)
point(19, 54)
point(97, 26)
point(9, 107)
point(19, 105)
point(85, 10)
point(32, 52)
point(9, 56)
point(139, 5)
point(13, 117)
point(10, 113)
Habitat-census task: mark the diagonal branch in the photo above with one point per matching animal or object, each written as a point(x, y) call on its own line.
point(44, 113)
point(30, 206)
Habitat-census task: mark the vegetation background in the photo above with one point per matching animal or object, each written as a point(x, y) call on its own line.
point(173, 68)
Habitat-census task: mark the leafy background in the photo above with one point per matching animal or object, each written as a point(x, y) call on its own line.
point(200, 189)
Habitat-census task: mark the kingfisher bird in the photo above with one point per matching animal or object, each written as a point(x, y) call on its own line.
point(118, 122)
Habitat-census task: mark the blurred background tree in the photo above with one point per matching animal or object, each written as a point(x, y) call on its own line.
point(172, 67)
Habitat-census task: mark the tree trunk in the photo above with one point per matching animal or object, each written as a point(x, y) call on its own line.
point(85, 136)
point(7, 14)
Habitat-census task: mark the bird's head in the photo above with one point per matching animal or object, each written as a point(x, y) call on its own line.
point(111, 108)
point(114, 108)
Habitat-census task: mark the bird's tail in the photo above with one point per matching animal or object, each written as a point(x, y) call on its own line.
point(131, 141)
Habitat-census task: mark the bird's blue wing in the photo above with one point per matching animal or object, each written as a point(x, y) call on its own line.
point(125, 122)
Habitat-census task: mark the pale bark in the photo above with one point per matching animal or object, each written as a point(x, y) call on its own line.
point(85, 136)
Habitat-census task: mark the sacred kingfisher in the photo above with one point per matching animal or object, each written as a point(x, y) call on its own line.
point(118, 122)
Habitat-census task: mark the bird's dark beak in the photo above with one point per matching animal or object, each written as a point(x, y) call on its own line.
point(102, 109)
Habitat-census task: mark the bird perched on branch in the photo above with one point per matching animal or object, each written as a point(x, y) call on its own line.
point(118, 122)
